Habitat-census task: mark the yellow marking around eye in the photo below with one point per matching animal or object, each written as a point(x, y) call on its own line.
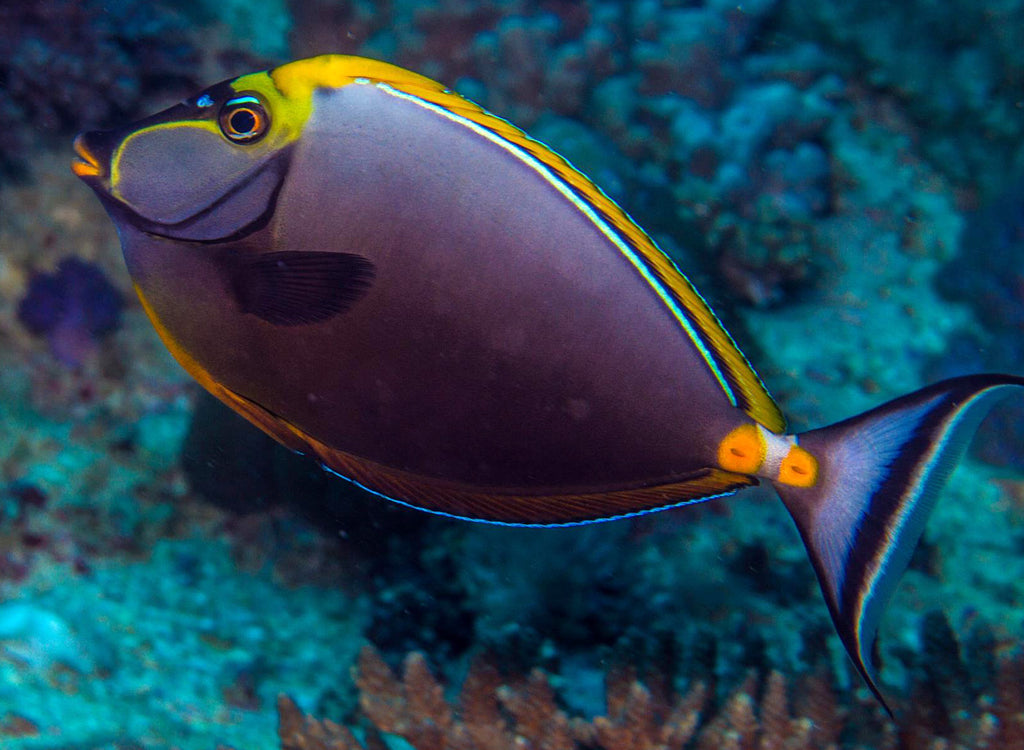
point(288, 90)
point(799, 468)
point(743, 450)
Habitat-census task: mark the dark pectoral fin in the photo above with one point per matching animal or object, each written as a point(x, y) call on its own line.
point(297, 288)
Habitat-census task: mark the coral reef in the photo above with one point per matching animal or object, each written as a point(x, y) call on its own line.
point(955, 67)
point(497, 713)
point(988, 275)
point(262, 31)
point(74, 307)
point(240, 469)
point(67, 64)
point(173, 650)
point(742, 140)
point(521, 58)
point(763, 712)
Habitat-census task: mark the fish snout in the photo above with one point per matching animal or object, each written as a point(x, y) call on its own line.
point(92, 154)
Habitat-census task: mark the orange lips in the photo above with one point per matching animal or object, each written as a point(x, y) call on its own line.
point(85, 165)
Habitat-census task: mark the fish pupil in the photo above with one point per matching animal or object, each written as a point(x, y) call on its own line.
point(243, 121)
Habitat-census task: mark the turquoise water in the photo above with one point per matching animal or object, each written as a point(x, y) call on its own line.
point(840, 180)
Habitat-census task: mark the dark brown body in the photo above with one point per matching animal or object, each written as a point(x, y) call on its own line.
point(506, 341)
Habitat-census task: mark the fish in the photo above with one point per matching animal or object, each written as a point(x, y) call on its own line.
point(381, 274)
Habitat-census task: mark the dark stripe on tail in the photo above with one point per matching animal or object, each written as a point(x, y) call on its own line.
point(880, 475)
point(901, 504)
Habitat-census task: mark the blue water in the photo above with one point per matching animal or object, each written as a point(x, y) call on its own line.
point(842, 181)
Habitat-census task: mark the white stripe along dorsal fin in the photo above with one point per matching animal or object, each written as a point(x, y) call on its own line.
point(731, 369)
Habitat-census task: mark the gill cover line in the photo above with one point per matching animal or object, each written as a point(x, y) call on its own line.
point(234, 215)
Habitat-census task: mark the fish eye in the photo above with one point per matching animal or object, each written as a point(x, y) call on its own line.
point(244, 119)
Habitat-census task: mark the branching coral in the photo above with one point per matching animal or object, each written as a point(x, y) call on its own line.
point(298, 732)
point(494, 712)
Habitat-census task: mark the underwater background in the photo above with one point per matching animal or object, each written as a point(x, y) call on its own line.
point(844, 181)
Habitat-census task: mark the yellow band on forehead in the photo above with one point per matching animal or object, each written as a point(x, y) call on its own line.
point(289, 88)
point(299, 79)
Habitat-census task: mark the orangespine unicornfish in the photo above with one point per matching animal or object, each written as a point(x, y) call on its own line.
point(379, 273)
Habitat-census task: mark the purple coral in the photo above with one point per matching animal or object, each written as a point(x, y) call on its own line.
point(74, 307)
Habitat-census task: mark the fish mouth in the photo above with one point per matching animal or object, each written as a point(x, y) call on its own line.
point(85, 163)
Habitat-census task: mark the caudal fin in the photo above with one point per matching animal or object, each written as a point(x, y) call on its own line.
point(879, 475)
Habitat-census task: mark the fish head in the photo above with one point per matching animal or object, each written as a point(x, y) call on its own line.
point(210, 168)
point(197, 193)
point(205, 170)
